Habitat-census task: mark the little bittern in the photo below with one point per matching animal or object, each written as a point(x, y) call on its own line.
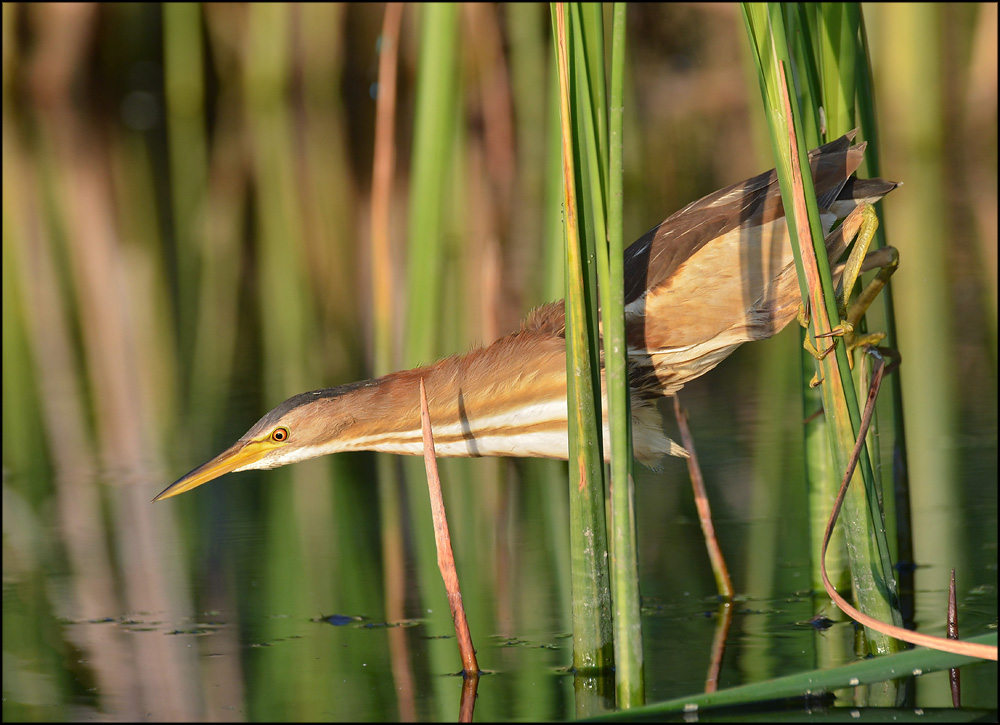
point(714, 275)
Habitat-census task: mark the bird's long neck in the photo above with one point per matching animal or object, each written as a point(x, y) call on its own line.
point(507, 399)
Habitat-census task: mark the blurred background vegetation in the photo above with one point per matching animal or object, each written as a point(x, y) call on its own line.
point(186, 242)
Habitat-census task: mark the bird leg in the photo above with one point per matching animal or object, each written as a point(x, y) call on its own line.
point(860, 223)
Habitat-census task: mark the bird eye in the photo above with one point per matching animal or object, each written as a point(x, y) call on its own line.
point(279, 435)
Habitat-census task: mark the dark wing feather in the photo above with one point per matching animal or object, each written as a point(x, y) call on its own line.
point(685, 326)
point(654, 257)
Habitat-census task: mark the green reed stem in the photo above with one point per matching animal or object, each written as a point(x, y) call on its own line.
point(432, 144)
point(629, 679)
point(592, 630)
point(871, 570)
point(432, 156)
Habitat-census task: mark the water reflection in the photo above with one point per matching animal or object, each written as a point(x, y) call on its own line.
point(263, 620)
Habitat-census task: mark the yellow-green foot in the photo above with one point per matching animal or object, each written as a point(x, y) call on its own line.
point(860, 223)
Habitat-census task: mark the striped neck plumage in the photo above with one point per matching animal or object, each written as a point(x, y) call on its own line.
point(508, 399)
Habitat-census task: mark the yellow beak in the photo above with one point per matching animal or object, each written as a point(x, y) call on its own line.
point(239, 455)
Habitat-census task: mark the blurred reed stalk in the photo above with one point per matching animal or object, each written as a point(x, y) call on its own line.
point(432, 194)
point(384, 302)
